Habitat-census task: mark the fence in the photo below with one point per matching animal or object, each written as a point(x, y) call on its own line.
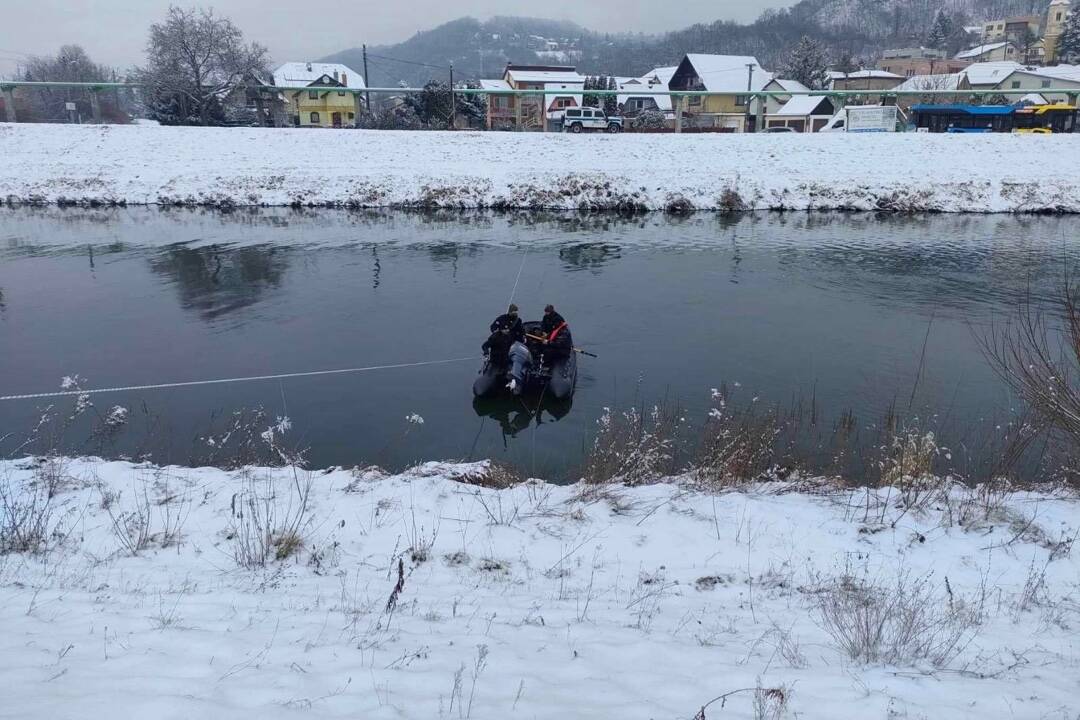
point(102, 101)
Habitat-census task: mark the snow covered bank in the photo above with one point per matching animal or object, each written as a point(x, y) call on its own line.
point(228, 167)
point(416, 596)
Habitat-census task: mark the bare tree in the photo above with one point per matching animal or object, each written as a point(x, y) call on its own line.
point(195, 62)
point(70, 65)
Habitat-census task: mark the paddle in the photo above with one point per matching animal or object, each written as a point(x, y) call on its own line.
point(539, 338)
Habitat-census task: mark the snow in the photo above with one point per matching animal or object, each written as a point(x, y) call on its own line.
point(538, 601)
point(302, 74)
point(836, 75)
point(980, 50)
point(800, 106)
point(729, 73)
point(488, 84)
point(989, 74)
point(790, 85)
point(545, 76)
point(1069, 73)
point(224, 167)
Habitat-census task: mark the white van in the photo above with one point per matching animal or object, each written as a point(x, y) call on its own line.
point(578, 120)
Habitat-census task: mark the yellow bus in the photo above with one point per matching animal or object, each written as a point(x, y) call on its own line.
point(1045, 119)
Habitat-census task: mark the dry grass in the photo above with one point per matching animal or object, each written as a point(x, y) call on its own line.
point(634, 447)
point(269, 517)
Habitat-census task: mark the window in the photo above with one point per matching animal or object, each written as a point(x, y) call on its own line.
point(573, 113)
point(313, 94)
point(314, 118)
point(1058, 16)
point(1046, 83)
point(1015, 84)
point(341, 93)
point(352, 116)
point(741, 100)
point(695, 100)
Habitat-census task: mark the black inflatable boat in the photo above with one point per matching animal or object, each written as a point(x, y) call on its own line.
point(526, 370)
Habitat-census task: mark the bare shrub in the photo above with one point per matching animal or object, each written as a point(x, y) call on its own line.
point(149, 518)
point(28, 520)
point(738, 444)
point(635, 447)
point(1040, 361)
point(899, 621)
point(269, 517)
point(769, 703)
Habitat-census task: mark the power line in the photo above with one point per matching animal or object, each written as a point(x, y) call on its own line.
point(409, 62)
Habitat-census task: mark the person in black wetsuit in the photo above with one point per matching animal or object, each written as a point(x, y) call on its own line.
point(505, 331)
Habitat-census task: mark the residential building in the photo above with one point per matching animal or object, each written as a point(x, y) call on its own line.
point(635, 98)
point(726, 77)
point(558, 86)
point(773, 103)
point(989, 52)
point(988, 75)
point(317, 94)
point(864, 80)
point(803, 113)
point(909, 62)
point(1056, 15)
point(1039, 79)
point(1015, 29)
point(935, 86)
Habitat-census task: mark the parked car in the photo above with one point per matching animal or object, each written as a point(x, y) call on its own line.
point(779, 129)
point(576, 120)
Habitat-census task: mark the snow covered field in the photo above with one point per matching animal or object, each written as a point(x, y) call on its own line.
point(231, 166)
point(418, 596)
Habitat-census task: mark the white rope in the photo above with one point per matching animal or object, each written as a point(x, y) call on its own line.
point(518, 279)
point(220, 381)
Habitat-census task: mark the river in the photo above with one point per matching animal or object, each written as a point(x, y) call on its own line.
point(858, 312)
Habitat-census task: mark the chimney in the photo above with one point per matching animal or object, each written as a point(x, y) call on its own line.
point(309, 67)
point(344, 79)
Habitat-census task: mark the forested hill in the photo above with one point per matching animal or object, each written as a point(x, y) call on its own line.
point(860, 28)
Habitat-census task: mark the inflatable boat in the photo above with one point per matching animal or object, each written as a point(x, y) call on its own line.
point(525, 372)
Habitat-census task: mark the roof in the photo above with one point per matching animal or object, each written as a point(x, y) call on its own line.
point(1032, 99)
point(990, 73)
point(728, 73)
point(802, 105)
point(303, 74)
point(546, 74)
point(966, 109)
point(863, 74)
point(981, 50)
point(570, 90)
point(790, 85)
point(494, 85)
point(1059, 72)
point(932, 82)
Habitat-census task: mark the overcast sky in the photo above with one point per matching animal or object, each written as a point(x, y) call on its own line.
point(114, 31)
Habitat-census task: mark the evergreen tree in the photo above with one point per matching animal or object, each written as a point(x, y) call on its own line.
point(846, 63)
point(806, 63)
point(611, 102)
point(589, 100)
point(941, 31)
point(1068, 47)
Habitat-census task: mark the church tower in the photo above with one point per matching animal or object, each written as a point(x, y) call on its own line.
point(1055, 23)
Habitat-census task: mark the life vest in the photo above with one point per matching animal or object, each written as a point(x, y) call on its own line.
point(555, 333)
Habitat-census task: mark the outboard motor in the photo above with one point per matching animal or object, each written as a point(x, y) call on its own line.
point(520, 361)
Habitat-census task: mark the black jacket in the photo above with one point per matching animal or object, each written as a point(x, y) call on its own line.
point(512, 325)
point(550, 322)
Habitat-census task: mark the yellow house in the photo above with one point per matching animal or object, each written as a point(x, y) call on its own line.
point(317, 94)
point(727, 74)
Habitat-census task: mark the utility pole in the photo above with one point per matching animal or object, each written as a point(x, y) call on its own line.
point(367, 80)
point(749, 88)
point(453, 97)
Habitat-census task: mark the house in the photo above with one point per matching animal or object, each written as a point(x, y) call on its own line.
point(988, 75)
point(318, 94)
point(909, 62)
point(774, 102)
point(935, 84)
point(1056, 15)
point(990, 52)
point(726, 77)
point(864, 80)
point(1020, 30)
point(803, 113)
point(635, 98)
point(1039, 79)
point(558, 86)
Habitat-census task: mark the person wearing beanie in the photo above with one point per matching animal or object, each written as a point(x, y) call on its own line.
point(505, 331)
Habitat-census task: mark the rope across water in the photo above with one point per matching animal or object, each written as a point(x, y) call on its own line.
point(222, 381)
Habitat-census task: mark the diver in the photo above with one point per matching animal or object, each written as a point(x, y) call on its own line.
point(505, 331)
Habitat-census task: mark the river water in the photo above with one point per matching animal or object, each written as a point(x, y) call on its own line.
point(844, 309)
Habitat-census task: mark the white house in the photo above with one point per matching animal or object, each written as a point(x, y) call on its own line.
point(634, 95)
point(989, 52)
point(775, 102)
point(803, 113)
point(1038, 79)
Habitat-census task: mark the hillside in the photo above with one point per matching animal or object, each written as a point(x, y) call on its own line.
point(861, 28)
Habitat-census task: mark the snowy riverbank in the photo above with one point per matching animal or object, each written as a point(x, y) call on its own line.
point(418, 596)
point(225, 167)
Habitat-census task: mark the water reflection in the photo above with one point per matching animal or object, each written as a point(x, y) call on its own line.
point(515, 414)
point(589, 256)
point(217, 280)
